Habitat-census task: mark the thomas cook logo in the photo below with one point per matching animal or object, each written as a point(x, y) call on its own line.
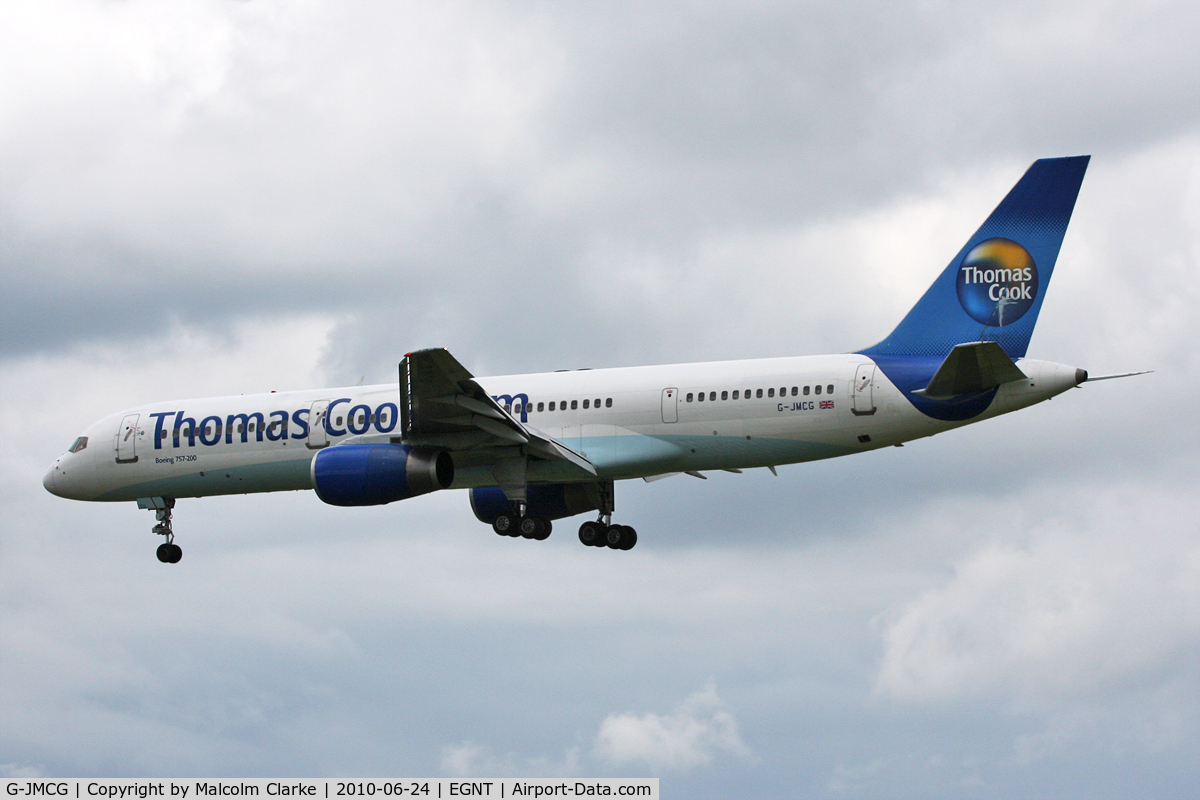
point(997, 282)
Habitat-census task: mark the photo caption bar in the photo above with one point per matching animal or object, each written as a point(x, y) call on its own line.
point(193, 789)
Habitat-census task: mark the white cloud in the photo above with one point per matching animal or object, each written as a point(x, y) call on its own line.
point(463, 760)
point(1099, 596)
point(697, 732)
point(471, 760)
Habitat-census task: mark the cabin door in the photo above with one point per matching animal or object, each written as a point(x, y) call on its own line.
point(127, 440)
point(670, 405)
point(863, 402)
point(318, 433)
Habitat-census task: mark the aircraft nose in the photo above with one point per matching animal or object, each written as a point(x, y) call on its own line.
point(48, 480)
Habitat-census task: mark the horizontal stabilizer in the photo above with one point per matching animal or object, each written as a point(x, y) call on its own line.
point(971, 367)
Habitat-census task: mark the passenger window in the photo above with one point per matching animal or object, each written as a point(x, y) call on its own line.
point(795, 390)
point(597, 403)
point(541, 406)
point(735, 394)
point(700, 397)
point(724, 395)
point(608, 403)
point(806, 391)
point(551, 405)
point(585, 403)
point(574, 404)
point(818, 390)
point(771, 392)
point(829, 389)
point(783, 391)
point(689, 397)
point(758, 393)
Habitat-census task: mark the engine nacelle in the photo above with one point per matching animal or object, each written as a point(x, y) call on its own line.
point(374, 474)
point(553, 501)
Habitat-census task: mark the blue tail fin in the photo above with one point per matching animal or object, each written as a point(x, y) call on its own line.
point(992, 290)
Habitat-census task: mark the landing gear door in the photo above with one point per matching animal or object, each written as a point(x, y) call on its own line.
point(862, 399)
point(127, 436)
point(670, 405)
point(318, 432)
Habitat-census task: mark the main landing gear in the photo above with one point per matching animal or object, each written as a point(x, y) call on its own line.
point(602, 533)
point(168, 552)
point(516, 519)
point(528, 526)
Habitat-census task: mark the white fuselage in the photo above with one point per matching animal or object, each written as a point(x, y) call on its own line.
point(628, 422)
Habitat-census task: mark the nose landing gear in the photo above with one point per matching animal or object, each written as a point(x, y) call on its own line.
point(168, 552)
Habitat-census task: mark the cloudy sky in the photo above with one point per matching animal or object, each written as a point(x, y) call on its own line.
point(211, 198)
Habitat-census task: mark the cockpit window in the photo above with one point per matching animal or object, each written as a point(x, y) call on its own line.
point(80, 443)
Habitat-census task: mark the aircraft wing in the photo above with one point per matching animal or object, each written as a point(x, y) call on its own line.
point(442, 405)
point(972, 367)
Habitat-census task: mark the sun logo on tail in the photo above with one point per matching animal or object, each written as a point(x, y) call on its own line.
point(997, 282)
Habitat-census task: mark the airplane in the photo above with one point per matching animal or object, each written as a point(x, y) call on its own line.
point(532, 449)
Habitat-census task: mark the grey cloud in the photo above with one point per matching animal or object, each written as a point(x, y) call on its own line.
point(490, 160)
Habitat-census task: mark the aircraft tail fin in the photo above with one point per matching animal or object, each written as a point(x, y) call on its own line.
point(993, 289)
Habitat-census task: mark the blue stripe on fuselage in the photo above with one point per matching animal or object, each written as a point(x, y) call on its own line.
point(910, 373)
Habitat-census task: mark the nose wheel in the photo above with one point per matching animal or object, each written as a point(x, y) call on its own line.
point(168, 552)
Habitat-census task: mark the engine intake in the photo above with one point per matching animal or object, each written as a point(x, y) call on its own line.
point(374, 474)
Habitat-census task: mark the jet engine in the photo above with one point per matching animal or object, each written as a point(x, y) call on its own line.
point(374, 474)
